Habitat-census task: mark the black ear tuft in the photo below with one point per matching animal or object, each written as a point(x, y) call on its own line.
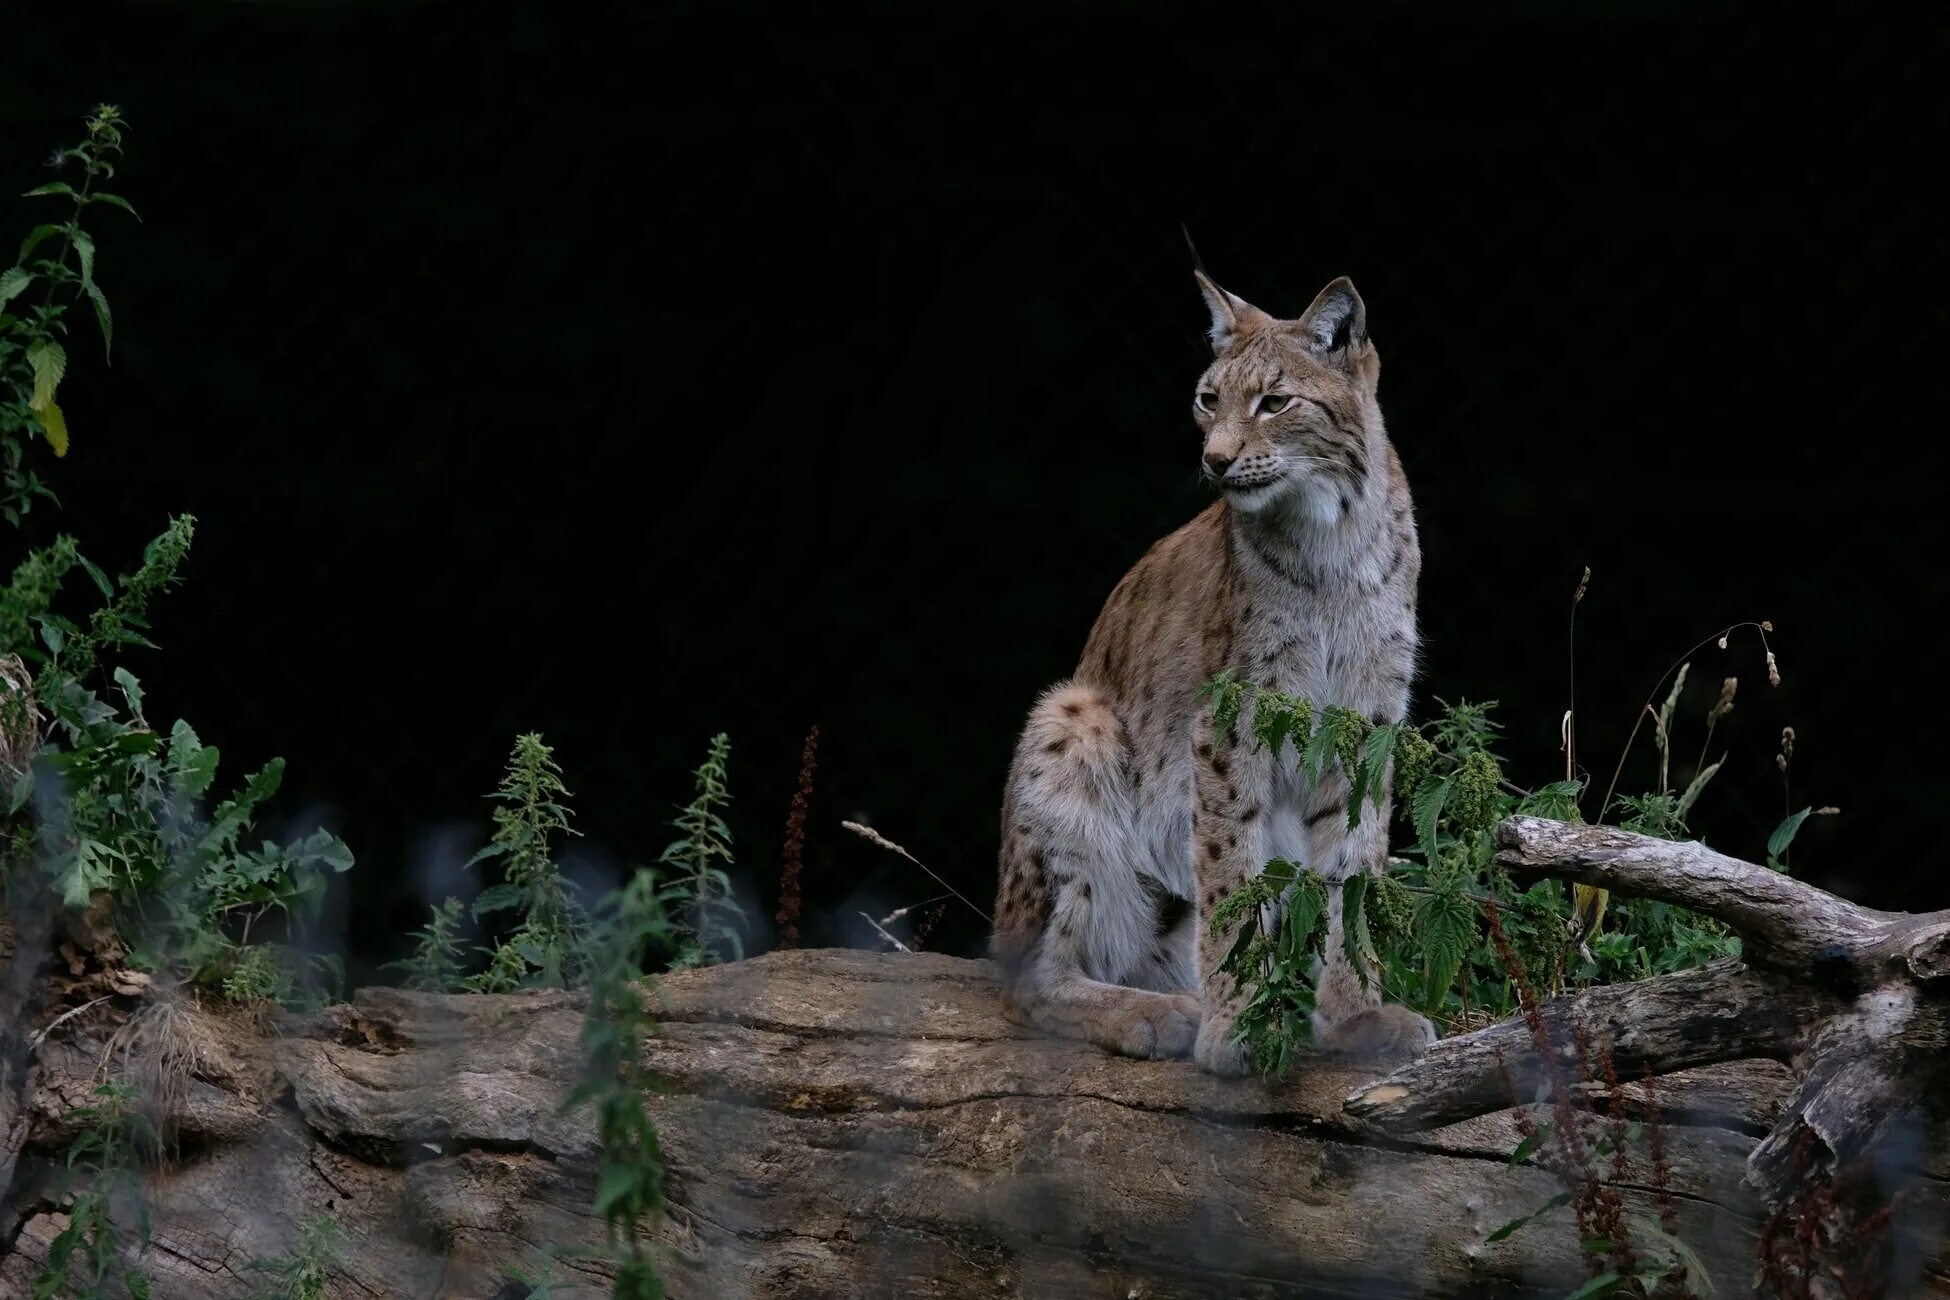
point(1337, 321)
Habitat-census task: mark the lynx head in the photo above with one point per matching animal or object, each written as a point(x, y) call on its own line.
point(1288, 406)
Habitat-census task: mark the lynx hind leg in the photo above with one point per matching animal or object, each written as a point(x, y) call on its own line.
point(1349, 1016)
point(1072, 920)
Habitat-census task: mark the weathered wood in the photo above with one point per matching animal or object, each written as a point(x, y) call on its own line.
point(850, 1124)
point(1718, 1012)
point(1851, 997)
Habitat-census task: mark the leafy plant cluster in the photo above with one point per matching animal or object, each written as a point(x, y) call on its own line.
point(86, 1258)
point(552, 942)
point(1419, 927)
point(659, 919)
point(33, 359)
point(1447, 931)
point(302, 1272)
point(111, 807)
point(112, 814)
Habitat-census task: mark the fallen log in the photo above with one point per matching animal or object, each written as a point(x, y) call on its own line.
point(1855, 1001)
point(845, 1124)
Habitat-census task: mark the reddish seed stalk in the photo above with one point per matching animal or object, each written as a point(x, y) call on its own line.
point(1661, 1171)
point(1572, 1159)
point(792, 856)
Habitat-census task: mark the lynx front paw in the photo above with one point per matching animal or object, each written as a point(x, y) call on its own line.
point(1218, 1052)
point(1385, 1032)
point(1164, 1029)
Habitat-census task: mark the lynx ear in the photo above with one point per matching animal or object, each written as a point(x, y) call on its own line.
point(1336, 322)
point(1231, 316)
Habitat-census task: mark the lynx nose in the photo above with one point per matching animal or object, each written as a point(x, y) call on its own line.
point(1216, 463)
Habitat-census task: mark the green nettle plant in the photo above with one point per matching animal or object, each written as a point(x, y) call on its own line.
point(107, 812)
point(1420, 924)
point(628, 927)
point(112, 807)
point(545, 946)
point(699, 894)
point(434, 965)
point(33, 359)
point(86, 1258)
point(301, 1272)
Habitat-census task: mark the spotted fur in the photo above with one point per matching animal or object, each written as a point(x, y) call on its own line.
point(1125, 819)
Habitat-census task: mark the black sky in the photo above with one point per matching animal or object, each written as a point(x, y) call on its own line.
point(629, 373)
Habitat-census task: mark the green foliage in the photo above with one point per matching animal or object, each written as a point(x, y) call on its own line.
point(33, 360)
point(123, 815)
point(1274, 966)
point(111, 804)
point(699, 895)
point(1228, 696)
point(86, 1257)
point(1783, 836)
point(1420, 925)
point(301, 1272)
point(434, 966)
point(536, 1274)
point(544, 947)
point(627, 928)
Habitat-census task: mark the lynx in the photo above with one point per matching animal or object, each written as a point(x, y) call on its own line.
point(1126, 819)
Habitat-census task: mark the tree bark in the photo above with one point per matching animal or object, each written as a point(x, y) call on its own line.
point(1857, 1001)
point(851, 1124)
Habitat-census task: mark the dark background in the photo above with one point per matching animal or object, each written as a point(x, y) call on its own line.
point(633, 373)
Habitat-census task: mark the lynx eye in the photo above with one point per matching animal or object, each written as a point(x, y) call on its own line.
point(1207, 402)
point(1274, 403)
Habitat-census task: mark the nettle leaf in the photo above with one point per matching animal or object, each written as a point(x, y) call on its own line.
point(1280, 871)
point(498, 898)
point(13, 281)
point(1306, 913)
point(1318, 753)
point(1445, 929)
point(1356, 939)
point(54, 423)
point(1370, 776)
point(50, 362)
point(84, 247)
point(1430, 797)
point(1783, 836)
point(52, 187)
point(115, 200)
point(1556, 802)
point(34, 238)
point(103, 317)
